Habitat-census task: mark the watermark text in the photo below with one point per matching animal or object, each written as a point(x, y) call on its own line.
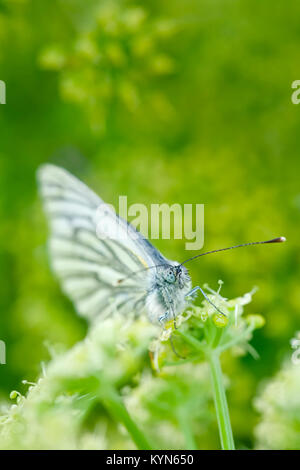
point(2, 92)
point(295, 344)
point(2, 352)
point(296, 94)
point(160, 221)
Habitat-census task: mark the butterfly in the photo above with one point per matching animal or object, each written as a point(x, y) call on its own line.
point(104, 264)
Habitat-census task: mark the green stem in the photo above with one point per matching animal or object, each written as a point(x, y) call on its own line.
point(217, 337)
point(220, 400)
point(191, 340)
point(116, 408)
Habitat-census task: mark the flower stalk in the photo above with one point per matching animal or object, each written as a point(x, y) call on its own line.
point(221, 405)
point(116, 408)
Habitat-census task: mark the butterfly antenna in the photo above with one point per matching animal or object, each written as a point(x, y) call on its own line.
point(274, 240)
point(139, 271)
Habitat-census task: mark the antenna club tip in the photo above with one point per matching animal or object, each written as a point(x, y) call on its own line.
point(277, 240)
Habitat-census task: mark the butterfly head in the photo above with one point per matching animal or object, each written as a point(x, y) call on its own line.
point(176, 275)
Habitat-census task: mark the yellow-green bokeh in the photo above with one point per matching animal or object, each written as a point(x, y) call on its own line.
point(181, 102)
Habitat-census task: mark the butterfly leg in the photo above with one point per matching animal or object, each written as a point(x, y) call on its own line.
point(169, 303)
point(163, 318)
point(192, 294)
point(161, 321)
point(174, 318)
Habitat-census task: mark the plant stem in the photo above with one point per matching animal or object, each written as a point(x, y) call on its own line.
point(196, 344)
point(220, 400)
point(114, 405)
point(217, 337)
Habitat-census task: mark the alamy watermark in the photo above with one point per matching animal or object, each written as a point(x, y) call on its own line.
point(295, 344)
point(161, 221)
point(296, 94)
point(2, 92)
point(2, 352)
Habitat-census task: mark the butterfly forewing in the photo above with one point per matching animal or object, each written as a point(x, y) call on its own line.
point(92, 248)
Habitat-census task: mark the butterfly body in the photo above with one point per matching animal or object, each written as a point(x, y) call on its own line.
point(166, 297)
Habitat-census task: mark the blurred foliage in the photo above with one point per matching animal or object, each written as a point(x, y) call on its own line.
point(170, 101)
point(61, 411)
point(111, 62)
point(278, 403)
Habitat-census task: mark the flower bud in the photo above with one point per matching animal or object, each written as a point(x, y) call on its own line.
point(257, 321)
point(220, 320)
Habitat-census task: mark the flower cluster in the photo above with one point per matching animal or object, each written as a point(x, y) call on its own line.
point(103, 392)
point(70, 406)
point(279, 406)
point(175, 407)
point(201, 330)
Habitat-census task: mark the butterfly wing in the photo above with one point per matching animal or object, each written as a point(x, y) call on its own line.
point(92, 248)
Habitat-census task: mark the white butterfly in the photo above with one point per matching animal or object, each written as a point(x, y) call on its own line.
point(100, 273)
point(106, 265)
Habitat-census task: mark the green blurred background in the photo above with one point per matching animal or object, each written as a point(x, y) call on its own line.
point(176, 102)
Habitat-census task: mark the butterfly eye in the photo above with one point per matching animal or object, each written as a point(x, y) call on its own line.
point(170, 277)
